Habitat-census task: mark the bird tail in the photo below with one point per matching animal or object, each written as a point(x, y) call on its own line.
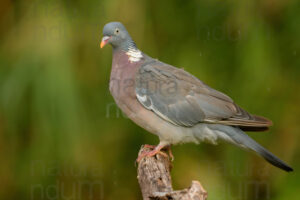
point(241, 139)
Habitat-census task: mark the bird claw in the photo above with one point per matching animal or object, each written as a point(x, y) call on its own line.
point(156, 150)
point(171, 154)
point(149, 146)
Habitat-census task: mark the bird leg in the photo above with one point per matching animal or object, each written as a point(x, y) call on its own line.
point(156, 150)
point(149, 146)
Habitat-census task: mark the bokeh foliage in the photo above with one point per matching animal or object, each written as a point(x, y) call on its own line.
point(61, 135)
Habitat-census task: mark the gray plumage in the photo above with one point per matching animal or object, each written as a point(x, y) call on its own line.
point(175, 105)
point(185, 100)
point(243, 140)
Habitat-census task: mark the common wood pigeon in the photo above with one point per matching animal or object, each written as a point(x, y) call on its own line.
point(175, 105)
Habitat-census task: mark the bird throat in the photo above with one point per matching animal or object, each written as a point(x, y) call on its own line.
point(131, 50)
point(134, 54)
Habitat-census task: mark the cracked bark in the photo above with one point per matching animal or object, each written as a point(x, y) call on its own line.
point(156, 183)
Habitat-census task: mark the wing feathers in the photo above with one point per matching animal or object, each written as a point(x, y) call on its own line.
point(184, 100)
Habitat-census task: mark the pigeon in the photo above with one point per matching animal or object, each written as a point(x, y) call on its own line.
point(175, 105)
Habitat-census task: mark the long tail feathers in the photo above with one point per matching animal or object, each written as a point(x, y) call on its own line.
point(271, 158)
point(241, 139)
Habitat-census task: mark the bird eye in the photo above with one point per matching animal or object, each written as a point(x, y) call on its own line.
point(117, 31)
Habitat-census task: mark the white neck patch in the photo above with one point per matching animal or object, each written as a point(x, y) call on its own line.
point(134, 55)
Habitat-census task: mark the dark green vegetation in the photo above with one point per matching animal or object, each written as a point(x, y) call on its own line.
point(61, 136)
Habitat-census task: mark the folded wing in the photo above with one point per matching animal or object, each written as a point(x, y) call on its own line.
point(184, 100)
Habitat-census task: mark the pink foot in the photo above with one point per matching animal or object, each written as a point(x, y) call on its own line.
point(149, 146)
point(156, 150)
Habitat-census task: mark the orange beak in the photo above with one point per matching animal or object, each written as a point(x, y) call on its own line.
point(104, 41)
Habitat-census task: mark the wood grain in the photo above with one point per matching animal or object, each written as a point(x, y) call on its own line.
point(156, 183)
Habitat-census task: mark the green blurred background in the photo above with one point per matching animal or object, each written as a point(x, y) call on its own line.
point(62, 136)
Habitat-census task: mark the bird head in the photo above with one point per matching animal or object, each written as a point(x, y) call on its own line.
point(115, 33)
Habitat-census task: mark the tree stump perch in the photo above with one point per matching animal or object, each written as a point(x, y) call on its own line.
point(156, 183)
